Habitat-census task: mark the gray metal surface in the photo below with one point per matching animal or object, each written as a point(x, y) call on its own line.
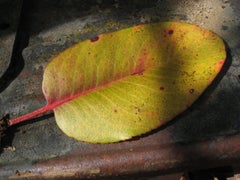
point(39, 149)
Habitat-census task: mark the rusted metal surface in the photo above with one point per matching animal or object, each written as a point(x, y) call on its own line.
point(206, 135)
point(89, 163)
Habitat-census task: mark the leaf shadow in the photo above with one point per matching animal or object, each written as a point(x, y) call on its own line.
point(16, 64)
point(214, 115)
point(207, 93)
point(204, 97)
point(7, 139)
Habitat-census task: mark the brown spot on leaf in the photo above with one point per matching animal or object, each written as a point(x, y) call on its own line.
point(138, 110)
point(162, 88)
point(139, 119)
point(115, 110)
point(191, 91)
point(94, 39)
point(170, 32)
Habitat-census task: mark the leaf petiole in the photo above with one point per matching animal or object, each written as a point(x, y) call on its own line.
point(29, 115)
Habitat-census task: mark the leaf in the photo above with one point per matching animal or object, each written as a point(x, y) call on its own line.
point(126, 83)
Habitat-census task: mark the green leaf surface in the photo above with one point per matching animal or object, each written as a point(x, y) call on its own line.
point(126, 83)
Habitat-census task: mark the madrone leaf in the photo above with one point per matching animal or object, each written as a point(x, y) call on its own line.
point(129, 82)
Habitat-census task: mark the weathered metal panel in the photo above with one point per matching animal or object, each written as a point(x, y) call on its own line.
point(206, 135)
